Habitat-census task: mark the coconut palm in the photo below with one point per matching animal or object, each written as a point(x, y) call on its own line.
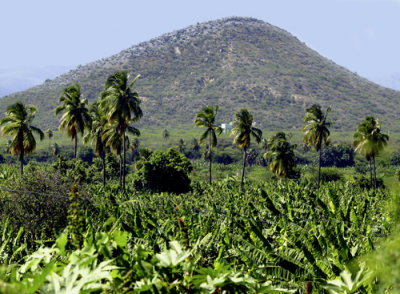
point(18, 124)
point(206, 119)
point(243, 131)
point(76, 116)
point(95, 135)
point(122, 106)
point(49, 134)
point(165, 135)
point(282, 154)
point(316, 132)
point(369, 141)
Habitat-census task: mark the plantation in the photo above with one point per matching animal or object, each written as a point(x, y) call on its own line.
point(193, 211)
point(275, 237)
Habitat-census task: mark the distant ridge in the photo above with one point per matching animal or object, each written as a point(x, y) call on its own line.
point(234, 62)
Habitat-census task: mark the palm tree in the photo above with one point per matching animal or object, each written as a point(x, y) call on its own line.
point(206, 119)
point(243, 130)
point(165, 135)
point(316, 132)
point(76, 115)
point(96, 133)
point(18, 124)
point(50, 134)
point(282, 152)
point(369, 140)
point(122, 106)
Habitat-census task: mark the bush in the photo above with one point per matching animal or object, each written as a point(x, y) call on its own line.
point(364, 182)
point(86, 154)
point(395, 159)
point(164, 172)
point(341, 155)
point(42, 208)
point(330, 175)
point(223, 158)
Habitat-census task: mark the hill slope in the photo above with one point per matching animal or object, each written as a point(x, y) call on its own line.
point(236, 63)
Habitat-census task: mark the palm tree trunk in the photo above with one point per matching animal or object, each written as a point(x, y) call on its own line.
point(120, 170)
point(123, 167)
point(103, 157)
point(76, 146)
point(373, 158)
point(210, 159)
point(319, 165)
point(244, 166)
point(370, 174)
point(21, 158)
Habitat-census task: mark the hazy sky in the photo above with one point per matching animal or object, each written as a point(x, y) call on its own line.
point(362, 35)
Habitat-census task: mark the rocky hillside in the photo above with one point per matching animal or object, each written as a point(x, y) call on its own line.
point(236, 63)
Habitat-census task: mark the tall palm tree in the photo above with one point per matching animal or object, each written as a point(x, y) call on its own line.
point(122, 106)
point(49, 134)
point(316, 132)
point(76, 115)
point(205, 118)
point(96, 133)
point(369, 140)
point(18, 124)
point(243, 131)
point(282, 153)
point(165, 135)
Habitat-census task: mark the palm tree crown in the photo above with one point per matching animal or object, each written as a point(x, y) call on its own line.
point(122, 104)
point(76, 115)
point(18, 124)
point(243, 130)
point(370, 141)
point(316, 130)
point(206, 119)
point(282, 152)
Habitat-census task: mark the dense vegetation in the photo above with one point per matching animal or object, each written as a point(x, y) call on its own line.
point(235, 63)
point(274, 236)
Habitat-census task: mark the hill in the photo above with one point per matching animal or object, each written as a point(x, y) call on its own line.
point(236, 63)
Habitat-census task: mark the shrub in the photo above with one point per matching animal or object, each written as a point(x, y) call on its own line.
point(364, 182)
point(330, 175)
point(42, 208)
point(223, 158)
point(341, 155)
point(164, 172)
point(395, 159)
point(86, 154)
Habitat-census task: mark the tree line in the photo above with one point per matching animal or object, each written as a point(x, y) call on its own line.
point(109, 120)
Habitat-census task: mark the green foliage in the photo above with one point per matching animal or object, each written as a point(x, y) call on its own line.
point(86, 154)
point(38, 204)
point(341, 155)
point(283, 157)
point(331, 175)
point(18, 124)
point(165, 172)
point(76, 117)
point(395, 159)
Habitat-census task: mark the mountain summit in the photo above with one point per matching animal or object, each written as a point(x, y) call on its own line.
point(234, 62)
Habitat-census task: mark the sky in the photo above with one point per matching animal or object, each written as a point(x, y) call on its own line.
point(361, 35)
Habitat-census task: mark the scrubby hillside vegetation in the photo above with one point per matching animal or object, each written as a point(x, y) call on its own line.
point(234, 62)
